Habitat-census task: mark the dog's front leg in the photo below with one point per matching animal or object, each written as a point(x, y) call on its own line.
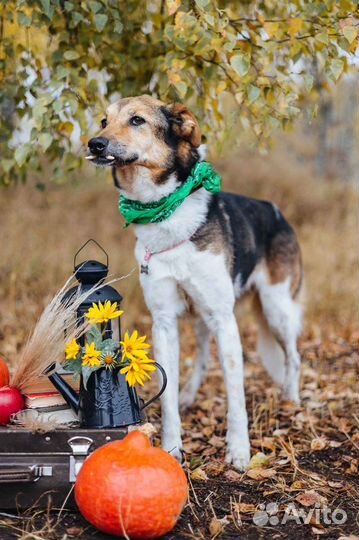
point(165, 305)
point(166, 347)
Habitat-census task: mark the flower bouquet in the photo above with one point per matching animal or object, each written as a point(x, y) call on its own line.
point(100, 351)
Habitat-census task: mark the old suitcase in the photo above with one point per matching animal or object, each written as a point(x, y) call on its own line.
point(37, 466)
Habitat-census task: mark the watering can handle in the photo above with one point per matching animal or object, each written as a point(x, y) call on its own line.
point(163, 388)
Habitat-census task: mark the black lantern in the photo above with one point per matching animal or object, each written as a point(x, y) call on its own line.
point(107, 401)
point(88, 274)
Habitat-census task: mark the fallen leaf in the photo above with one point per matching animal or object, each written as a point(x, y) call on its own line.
point(258, 460)
point(215, 468)
point(297, 484)
point(74, 531)
point(265, 442)
point(335, 444)
point(198, 474)
point(233, 476)
point(245, 508)
point(206, 405)
point(217, 442)
point(217, 525)
point(318, 444)
point(309, 498)
point(261, 474)
point(335, 484)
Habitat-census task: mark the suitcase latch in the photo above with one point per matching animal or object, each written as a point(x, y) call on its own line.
point(18, 473)
point(80, 447)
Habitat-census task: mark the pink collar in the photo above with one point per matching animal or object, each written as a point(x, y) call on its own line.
point(148, 255)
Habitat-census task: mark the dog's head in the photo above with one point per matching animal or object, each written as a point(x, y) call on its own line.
point(143, 132)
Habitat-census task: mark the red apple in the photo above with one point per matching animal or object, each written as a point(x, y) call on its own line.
point(11, 401)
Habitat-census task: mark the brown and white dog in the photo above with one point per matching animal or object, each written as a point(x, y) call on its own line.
point(214, 248)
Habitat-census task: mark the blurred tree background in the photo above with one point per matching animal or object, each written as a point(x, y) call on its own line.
point(249, 66)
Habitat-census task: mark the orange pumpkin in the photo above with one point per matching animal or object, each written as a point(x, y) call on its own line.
point(4, 373)
point(129, 487)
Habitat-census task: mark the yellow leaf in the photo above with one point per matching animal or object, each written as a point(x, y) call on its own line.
point(294, 26)
point(261, 474)
point(350, 33)
point(199, 474)
point(258, 460)
point(271, 28)
point(173, 77)
point(172, 6)
point(221, 87)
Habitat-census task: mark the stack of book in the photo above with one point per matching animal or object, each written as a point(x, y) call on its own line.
point(47, 403)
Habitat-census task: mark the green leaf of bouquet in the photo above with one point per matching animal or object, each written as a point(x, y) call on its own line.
point(110, 345)
point(94, 334)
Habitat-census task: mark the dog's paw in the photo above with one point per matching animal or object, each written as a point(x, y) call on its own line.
point(174, 448)
point(291, 393)
point(178, 454)
point(238, 453)
point(239, 459)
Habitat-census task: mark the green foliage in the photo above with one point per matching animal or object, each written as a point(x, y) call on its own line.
point(257, 56)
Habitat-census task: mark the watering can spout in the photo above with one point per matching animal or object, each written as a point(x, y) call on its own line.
point(68, 393)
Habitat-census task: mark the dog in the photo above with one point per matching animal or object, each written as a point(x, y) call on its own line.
point(214, 248)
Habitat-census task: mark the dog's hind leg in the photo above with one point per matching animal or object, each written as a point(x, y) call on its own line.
point(269, 350)
point(284, 318)
point(190, 389)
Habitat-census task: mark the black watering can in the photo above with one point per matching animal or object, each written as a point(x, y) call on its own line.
point(107, 401)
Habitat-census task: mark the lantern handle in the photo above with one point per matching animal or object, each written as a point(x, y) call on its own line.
point(163, 388)
point(85, 244)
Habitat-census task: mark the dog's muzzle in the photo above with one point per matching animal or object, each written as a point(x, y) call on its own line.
point(103, 153)
point(98, 151)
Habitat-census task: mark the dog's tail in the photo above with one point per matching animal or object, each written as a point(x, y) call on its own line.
point(268, 348)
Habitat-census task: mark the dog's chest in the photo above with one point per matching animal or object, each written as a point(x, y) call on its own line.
point(176, 263)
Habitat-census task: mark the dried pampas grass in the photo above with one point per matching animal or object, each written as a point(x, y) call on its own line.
point(47, 343)
point(32, 420)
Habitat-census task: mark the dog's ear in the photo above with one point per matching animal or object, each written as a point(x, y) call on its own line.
point(184, 123)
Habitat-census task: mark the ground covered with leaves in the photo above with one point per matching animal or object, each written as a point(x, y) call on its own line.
point(303, 479)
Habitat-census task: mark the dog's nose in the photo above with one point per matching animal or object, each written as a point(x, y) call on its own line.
point(97, 145)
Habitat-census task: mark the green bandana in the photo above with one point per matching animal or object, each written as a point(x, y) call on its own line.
point(202, 175)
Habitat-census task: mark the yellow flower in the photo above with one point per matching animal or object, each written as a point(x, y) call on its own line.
point(134, 347)
point(72, 350)
point(137, 371)
point(101, 313)
point(91, 356)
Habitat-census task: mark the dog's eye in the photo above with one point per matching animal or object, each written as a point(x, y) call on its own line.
point(136, 121)
point(103, 123)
